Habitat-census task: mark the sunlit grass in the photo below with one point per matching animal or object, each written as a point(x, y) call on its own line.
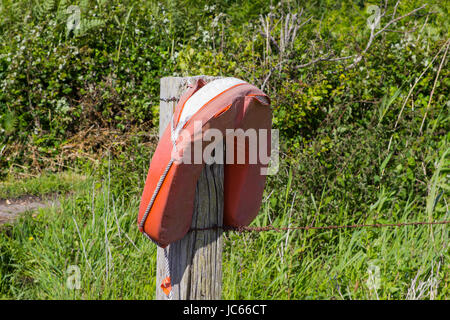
point(96, 231)
point(45, 184)
point(93, 232)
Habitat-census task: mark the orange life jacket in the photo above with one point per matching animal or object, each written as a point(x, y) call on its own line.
point(167, 201)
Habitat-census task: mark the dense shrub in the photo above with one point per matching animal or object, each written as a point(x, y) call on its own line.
point(58, 80)
point(363, 140)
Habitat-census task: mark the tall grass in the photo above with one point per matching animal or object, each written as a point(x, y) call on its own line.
point(95, 231)
point(297, 264)
point(42, 185)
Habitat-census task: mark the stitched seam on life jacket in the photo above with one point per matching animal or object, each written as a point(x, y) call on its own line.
point(222, 110)
point(181, 111)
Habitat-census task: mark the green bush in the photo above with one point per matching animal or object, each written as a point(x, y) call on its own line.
point(363, 143)
point(59, 78)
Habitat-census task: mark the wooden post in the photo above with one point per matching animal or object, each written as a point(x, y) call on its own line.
point(196, 260)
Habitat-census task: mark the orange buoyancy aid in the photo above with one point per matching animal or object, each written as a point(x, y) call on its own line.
point(167, 202)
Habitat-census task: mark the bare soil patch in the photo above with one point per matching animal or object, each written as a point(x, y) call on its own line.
point(10, 209)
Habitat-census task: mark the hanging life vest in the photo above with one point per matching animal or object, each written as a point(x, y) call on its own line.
point(167, 202)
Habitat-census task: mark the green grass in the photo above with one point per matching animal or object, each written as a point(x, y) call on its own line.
point(44, 184)
point(297, 265)
point(95, 230)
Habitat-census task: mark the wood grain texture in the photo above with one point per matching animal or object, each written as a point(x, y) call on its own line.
point(196, 260)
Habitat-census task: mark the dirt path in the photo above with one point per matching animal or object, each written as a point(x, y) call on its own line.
point(11, 208)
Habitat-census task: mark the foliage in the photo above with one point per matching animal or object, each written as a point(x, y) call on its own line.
point(353, 149)
point(43, 185)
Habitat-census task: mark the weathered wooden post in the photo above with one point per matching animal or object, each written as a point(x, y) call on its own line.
point(196, 260)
